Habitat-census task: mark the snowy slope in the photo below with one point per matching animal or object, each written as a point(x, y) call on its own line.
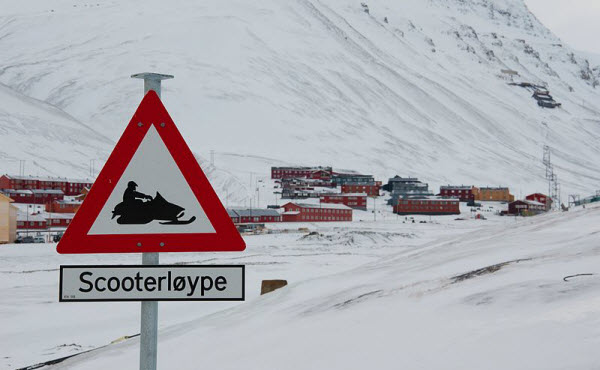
point(50, 140)
point(492, 298)
point(322, 82)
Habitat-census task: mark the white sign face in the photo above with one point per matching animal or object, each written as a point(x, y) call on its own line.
point(152, 283)
point(151, 197)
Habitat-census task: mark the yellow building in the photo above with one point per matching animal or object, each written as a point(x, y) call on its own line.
point(8, 220)
point(498, 194)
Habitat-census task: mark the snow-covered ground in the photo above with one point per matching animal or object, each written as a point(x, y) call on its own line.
point(444, 294)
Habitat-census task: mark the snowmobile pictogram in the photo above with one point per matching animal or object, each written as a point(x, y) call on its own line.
point(138, 208)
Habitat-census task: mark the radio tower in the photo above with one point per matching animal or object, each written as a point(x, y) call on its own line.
point(551, 177)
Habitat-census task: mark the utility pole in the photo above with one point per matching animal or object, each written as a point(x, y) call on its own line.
point(374, 209)
point(212, 157)
point(149, 311)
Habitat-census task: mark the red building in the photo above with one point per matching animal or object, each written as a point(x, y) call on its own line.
point(291, 172)
point(352, 200)
point(58, 219)
point(462, 193)
point(31, 222)
point(63, 206)
point(67, 186)
point(300, 212)
point(427, 207)
point(247, 216)
point(34, 196)
point(521, 207)
point(371, 190)
point(540, 198)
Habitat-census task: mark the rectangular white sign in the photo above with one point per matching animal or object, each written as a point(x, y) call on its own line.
point(82, 283)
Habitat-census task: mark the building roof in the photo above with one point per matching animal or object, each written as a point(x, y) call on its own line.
point(254, 212)
point(494, 188)
point(300, 168)
point(22, 216)
point(403, 179)
point(434, 199)
point(54, 216)
point(6, 198)
point(47, 191)
point(321, 205)
point(345, 195)
point(530, 202)
point(14, 191)
point(534, 203)
point(33, 191)
point(49, 178)
point(534, 194)
point(345, 172)
point(70, 202)
point(457, 187)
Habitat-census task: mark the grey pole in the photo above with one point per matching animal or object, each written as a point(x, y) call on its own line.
point(149, 314)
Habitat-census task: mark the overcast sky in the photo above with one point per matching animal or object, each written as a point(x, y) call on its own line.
point(576, 22)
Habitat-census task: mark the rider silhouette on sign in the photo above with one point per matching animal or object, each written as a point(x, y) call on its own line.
point(131, 196)
point(135, 210)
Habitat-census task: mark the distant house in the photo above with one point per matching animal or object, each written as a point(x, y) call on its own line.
point(427, 206)
point(540, 198)
point(523, 207)
point(57, 219)
point(371, 189)
point(31, 222)
point(493, 194)
point(251, 215)
point(462, 192)
point(341, 178)
point(352, 200)
point(8, 220)
point(63, 206)
point(406, 188)
point(301, 212)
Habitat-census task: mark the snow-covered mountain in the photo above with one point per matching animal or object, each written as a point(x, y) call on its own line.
point(410, 87)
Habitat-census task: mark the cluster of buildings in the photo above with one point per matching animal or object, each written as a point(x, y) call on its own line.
point(315, 182)
point(38, 204)
point(43, 203)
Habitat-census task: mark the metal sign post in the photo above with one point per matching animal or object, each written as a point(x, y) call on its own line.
point(149, 312)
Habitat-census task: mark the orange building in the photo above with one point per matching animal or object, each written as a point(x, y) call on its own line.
point(63, 206)
point(497, 194)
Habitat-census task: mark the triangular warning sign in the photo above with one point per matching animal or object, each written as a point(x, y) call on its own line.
point(151, 196)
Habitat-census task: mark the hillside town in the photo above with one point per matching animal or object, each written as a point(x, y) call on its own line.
point(39, 209)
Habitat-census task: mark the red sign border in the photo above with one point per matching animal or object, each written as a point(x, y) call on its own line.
point(151, 111)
